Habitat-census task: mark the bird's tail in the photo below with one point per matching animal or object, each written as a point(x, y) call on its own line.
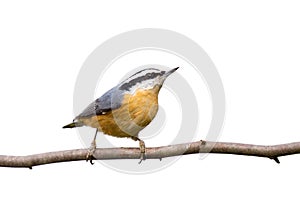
point(73, 125)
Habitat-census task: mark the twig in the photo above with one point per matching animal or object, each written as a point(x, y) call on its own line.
point(272, 152)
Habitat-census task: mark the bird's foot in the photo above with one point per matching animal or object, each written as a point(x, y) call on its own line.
point(91, 150)
point(143, 150)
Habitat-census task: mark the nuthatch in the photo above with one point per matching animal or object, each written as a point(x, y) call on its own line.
point(126, 109)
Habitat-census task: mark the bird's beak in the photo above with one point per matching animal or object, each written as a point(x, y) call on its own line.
point(168, 73)
point(165, 75)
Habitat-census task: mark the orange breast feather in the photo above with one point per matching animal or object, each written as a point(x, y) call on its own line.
point(136, 112)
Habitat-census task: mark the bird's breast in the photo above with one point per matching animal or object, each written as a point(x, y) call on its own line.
point(136, 112)
point(142, 106)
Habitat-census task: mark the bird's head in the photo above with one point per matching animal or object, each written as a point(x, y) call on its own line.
point(148, 78)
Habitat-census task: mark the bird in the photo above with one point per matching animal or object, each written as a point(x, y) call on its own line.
point(126, 109)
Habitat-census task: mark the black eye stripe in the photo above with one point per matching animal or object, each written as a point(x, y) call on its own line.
point(143, 70)
point(128, 85)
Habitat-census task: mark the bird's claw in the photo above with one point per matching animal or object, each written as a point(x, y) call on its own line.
point(89, 155)
point(142, 157)
point(143, 150)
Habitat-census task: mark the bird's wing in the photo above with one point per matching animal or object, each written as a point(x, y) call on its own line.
point(110, 100)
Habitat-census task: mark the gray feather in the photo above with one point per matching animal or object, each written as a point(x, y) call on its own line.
point(110, 100)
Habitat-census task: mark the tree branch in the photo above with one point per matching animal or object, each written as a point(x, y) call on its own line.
point(272, 152)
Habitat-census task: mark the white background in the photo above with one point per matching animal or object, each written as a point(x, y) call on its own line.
point(254, 45)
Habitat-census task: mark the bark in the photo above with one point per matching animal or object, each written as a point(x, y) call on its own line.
point(272, 152)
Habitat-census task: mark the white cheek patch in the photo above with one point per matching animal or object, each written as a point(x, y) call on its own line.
point(145, 85)
point(144, 79)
